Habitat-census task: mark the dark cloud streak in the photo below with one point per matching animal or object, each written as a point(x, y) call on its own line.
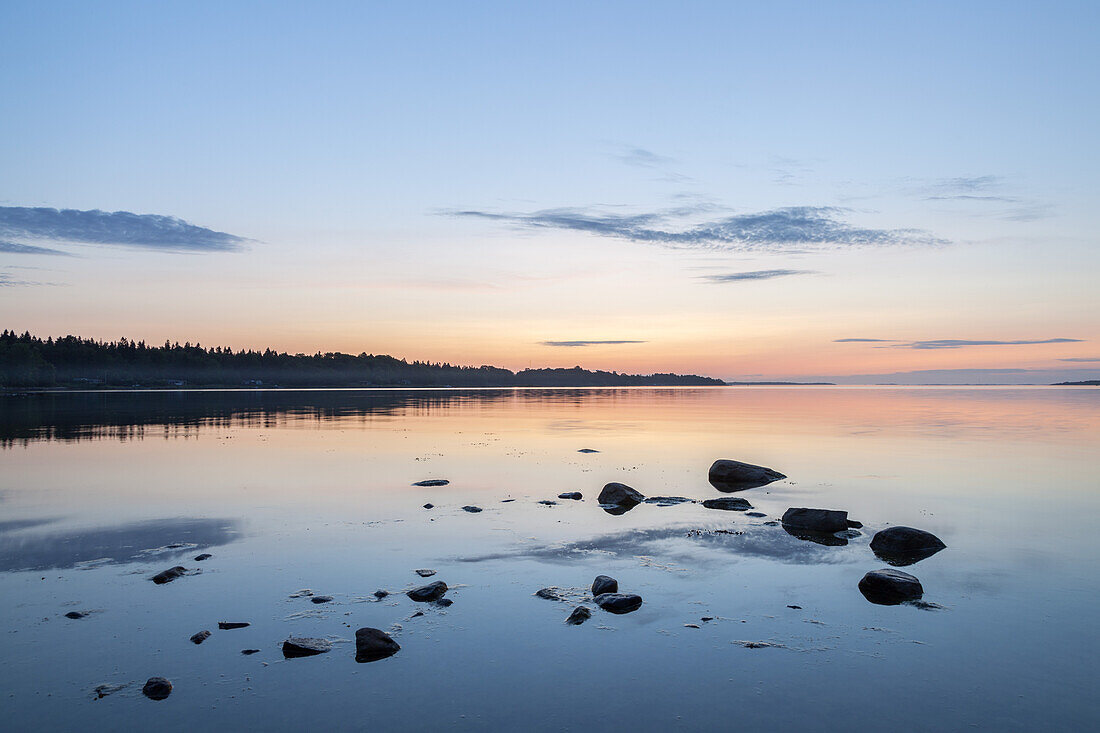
point(753, 275)
point(588, 343)
point(29, 249)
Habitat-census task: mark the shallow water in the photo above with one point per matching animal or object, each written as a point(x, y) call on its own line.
point(312, 489)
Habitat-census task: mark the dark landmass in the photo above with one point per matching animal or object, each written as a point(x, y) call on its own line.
point(1086, 383)
point(781, 384)
point(28, 361)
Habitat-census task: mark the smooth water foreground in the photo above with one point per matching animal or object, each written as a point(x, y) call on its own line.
point(312, 489)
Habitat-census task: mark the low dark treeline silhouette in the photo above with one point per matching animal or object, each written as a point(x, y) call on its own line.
point(28, 361)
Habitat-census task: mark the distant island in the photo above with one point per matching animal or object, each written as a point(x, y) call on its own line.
point(781, 384)
point(1086, 383)
point(30, 362)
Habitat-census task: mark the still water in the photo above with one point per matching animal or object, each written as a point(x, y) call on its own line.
point(313, 489)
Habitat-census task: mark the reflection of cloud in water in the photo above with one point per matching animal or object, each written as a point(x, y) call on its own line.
point(681, 544)
point(119, 544)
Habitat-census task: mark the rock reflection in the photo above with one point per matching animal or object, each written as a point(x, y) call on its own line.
point(821, 538)
point(70, 548)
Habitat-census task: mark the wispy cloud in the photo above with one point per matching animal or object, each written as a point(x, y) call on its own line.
point(1082, 359)
point(737, 277)
point(639, 157)
point(29, 249)
point(122, 228)
point(983, 191)
point(777, 229)
point(589, 343)
point(956, 343)
point(861, 341)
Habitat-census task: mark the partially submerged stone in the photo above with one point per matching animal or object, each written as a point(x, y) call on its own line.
point(668, 500)
point(588, 450)
point(425, 573)
point(575, 495)
point(321, 599)
point(200, 637)
point(471, 509)
point(604, 584)
point(550, 594)
point(618, 602)
point(157, 688)
point(430, 592)
point(432, 482)
point(167, 576)
point(728, 503)
point(227, 625)
point(889, 587)
point(374, 644)
point(616, 494)
point(727, 475)
point(579, 615)
point(305, 646)
point(815, 520)
point(203, 556)
point(905, 545)
point(75, 615)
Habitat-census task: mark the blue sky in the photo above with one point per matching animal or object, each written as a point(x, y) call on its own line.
point(917, 172)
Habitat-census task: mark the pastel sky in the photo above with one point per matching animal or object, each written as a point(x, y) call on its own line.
point(782, 190)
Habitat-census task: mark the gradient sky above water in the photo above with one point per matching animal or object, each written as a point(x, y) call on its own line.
point(749, 191)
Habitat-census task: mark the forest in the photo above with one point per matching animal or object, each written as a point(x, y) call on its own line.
point(31, 362)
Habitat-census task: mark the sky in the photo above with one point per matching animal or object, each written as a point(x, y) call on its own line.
point(852, 192)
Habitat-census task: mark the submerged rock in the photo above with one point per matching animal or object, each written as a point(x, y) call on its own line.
point(374, 644)
point(75, 615)
point(588, 450)
point(425, 573)
point(380, 594)
point(167, 576)
point(729, 503)
point(618, 602)
point(305, 646)
point(727, 475)
point(429, 505)
point(755, 514)
point(905, 545)
point(227, 625)
point(579, 616)
point(815, 520)
point(444, 602)
point(888, 587)
point(432, 482)
point(550, 594)
point(249, 652)
point(604, 584)
point(620, 495)
point(548, 502)
point(321, 599)
point(430, 592)
point(200, 637)
point(203, 556)
point(576, 495)
point(471, 509)
point(157, 688)
point(106, 689)
point(668, 500)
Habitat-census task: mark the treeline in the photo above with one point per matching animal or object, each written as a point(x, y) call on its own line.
point(28, 361)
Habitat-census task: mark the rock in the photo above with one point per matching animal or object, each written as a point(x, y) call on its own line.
point(550, 594)
point(576, 495)
point(303, 593)
point(75, 615)
point(888, 587)
point(380, 594)
point(429, 505)
point(617, 494)
point(430, 592)
point(548, 502)
point(604, 584)
point(816, 520)
point(771, 523)
point(668, 500)
point(471, 509)
point(588, 450)
point(797, 608)
point(618, 602)
point(321, 599)
point(506, 501)
point(707, 618)
point(249, 652)
point(726, 475)
point(729, 503)
point(444, 602)
point(692, 626)
point(374, 644)
point(104, 690)
point(203, 556)
point(424, 573)
point(305, 646)
point(227, 625)
point(418, 613)
point(200, 637)
point(579, 616)
point(167, 576)
point(432, 482)
point(905, 545)
point(853, 524)
point(755, 514)
point(157, 688)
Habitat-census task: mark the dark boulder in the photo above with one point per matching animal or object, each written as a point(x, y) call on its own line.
point(576, 495)
point(905, 545)
point(75, 615)
point(579, 616)
point(726, 475)
point(816, 520)
point(550, 594)
point(305, 646)
point(374, 644)
point(616, 494)
point(432, 482)
point(200, 637)
point(604, 584)
point(618, 602)
point(227, 625)
point(321, 599)
point(430, 592)
point(429, 505)
point(889, 587)
point(167, 576)
point(425, 573)
point(157, 688)
point(471, 509)
point(729, 503)
point(668, 500)
point(203, 556)
point(380, 594)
